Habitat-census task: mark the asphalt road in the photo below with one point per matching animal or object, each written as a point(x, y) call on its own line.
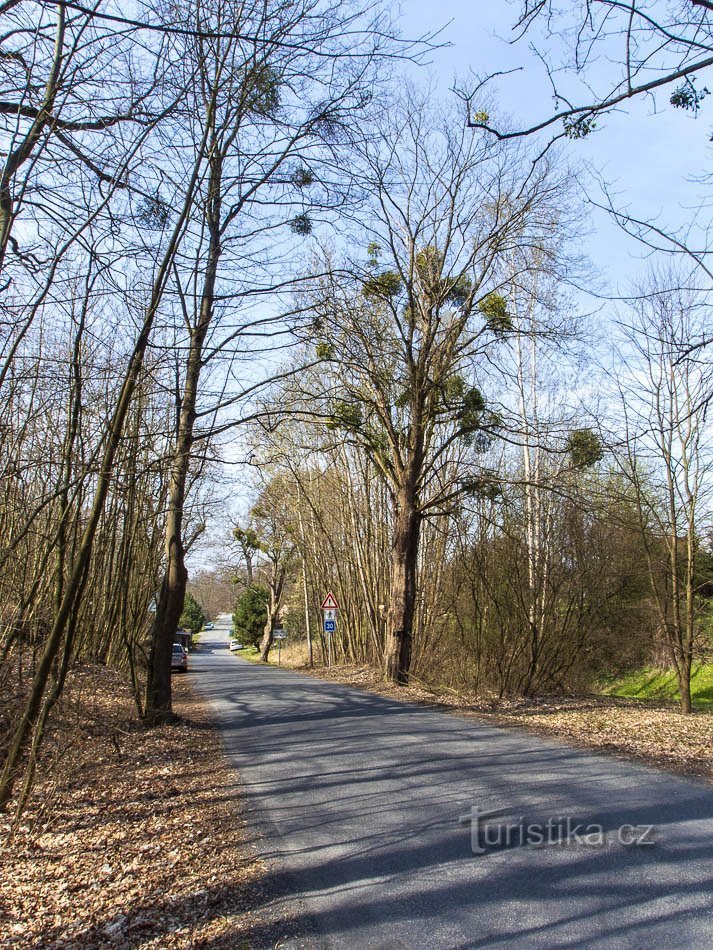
point(363, 807)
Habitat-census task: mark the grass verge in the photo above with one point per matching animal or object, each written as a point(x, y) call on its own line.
point(660, 684)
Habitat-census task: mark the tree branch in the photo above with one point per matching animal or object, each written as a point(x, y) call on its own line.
point(598, 107)
point(54, 122)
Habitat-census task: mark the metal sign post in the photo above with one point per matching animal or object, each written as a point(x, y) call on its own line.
point(329, 611)
point(279, 635)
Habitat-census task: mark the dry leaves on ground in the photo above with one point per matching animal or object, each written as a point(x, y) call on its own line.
point(134, 838)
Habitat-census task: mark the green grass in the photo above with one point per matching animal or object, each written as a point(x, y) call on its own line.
point(662, 684)
point(248, 652)
point(253, 654)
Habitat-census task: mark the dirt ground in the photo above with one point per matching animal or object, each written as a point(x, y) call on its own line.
point(133, 837)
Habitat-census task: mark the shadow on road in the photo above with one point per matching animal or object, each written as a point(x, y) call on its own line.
point(356, 800)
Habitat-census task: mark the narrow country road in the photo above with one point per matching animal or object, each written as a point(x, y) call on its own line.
point(364, 807)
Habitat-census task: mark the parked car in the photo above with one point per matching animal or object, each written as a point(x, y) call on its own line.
point(208, 626)
point(235, 645)
point(179, 658)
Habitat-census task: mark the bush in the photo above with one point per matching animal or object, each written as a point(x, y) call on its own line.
point(193, 616)
point(250, 614)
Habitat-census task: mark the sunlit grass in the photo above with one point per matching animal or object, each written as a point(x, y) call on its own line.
point(289, 654)
point(248, 653)
point(651, 683)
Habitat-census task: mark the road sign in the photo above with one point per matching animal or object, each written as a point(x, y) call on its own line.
point(330, 626)
point(280, 634)
point(330, 602)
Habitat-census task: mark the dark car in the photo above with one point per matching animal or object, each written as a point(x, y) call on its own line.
point(179, 658)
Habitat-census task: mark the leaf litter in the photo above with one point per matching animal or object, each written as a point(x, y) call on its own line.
point(133, 837)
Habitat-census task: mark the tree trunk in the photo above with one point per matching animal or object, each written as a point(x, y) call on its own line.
point(173, 589)
point(276, 586)
point(402, 602)
point(684, 684)
point(158, 704)
point(305, 593)
point(308, 626)
point(267, 637)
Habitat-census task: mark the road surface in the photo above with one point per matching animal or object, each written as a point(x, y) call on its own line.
point(369, 819)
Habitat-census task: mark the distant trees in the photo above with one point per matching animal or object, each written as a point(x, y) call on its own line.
point(332, 508)
point(213, 588)
point(267, 549)
point(278, 554)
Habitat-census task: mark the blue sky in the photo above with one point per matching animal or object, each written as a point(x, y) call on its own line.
point(647, 158)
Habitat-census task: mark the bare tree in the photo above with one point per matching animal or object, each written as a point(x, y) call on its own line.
point(271, 102)
point(665, 456)
point(401, 332)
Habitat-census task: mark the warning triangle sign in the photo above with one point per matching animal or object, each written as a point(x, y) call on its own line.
point(329, 602)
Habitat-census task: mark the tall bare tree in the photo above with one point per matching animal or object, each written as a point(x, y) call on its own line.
point(273, 100)
point(666, 457)
point(401, 331)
